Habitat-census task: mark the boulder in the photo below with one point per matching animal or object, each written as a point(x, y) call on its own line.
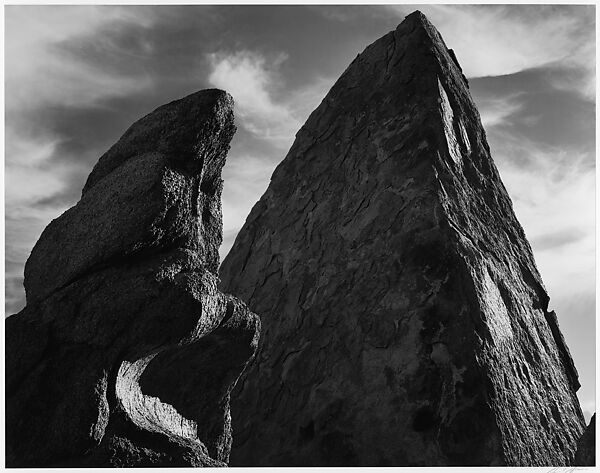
point(127, 352)
point(404, 320)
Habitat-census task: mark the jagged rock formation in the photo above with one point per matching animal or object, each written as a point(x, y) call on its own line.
point(404, 320)
point(586, 447)
point(127, 352)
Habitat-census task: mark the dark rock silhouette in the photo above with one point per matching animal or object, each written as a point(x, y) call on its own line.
point(126, 352)
point(404, 319)
point(586, 447)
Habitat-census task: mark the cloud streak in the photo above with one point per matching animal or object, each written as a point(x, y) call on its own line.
point(48, 75)
point(251, 79)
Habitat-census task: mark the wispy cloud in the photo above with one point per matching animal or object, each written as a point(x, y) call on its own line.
point(495, 111)
point(252, 80)
point(557, 239)
point(48, 75)
point(264, 105)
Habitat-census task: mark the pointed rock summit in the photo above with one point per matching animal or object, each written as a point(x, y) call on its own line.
point(404, 319)
point(127, 352)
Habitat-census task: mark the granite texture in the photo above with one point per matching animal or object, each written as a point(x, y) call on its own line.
point(404, 320)
point(127, 352)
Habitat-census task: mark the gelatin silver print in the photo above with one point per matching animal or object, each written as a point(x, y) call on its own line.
point(299, 235)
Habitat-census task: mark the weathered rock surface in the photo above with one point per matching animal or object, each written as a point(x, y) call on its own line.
point(404, 320)
point(586, 447)
point(126, 352)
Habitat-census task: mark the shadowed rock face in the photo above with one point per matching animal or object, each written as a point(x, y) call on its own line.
point(586, 447)
point(126, 352)
point(404, 319)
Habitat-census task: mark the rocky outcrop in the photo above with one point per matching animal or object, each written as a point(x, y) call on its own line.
point(126, 352)
point(586, 447)
point(404, 319)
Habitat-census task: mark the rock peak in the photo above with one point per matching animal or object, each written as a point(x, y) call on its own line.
point(405, 321)
point(417, 17)
point(187, 139)
point(179, 128)
point(430, 39)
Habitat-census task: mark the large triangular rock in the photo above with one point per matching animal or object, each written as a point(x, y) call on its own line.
point(404, 320)
point(127, 352)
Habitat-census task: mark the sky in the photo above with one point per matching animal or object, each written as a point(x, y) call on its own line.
point(77, 76)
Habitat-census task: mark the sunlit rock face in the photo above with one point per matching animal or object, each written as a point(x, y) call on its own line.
point(127, 352)
point(404, 319)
